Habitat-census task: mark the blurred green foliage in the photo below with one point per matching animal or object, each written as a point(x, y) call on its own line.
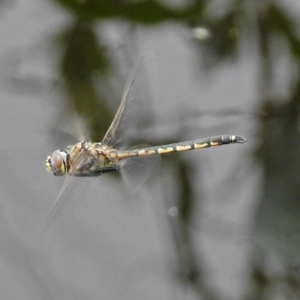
point(139, 12)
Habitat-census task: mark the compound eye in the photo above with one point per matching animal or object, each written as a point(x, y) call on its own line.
point(56, 160)
point(56, 164)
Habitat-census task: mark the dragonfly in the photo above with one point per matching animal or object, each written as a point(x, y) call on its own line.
point(88, 159)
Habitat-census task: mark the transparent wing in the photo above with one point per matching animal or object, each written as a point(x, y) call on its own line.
point(135, 171)
point(135, 95)
point(68, 188)
point(58, 204)
point(70, 126)
point(133, 114)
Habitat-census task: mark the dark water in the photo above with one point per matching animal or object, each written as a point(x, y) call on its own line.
point(218, 223)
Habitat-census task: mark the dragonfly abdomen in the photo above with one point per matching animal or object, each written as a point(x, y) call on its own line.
point(218, 141)
point(183, 146)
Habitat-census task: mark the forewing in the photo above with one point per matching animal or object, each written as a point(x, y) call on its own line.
point(127, 119)
point(59, 202)
point(135, 97)
point(70, 125)
point(63, 195)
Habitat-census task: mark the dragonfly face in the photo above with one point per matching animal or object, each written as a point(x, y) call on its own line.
point(56, 163)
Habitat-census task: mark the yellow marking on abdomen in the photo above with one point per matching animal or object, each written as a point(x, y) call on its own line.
point(165, 150)
point(200, 146)
point(215, 143)
point(123, 155)
point(146, 153)
point(183, 148)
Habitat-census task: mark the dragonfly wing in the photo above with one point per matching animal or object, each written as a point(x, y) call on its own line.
point(62, 199)
point(58, 204)
point(78, 161)
point(135, 171)
point(71, 125)
point(136, 90)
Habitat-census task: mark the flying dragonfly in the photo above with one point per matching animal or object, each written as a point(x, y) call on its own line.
point(87, 159)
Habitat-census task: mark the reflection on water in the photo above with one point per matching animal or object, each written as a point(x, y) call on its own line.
point(213, 215)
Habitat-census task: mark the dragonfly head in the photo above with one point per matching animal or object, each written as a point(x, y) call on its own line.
point(56, 163)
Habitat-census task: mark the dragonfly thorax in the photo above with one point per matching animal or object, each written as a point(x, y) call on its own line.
point(90, 159)
point(83, 159)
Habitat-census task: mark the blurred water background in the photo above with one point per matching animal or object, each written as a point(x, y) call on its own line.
point(220, 223)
